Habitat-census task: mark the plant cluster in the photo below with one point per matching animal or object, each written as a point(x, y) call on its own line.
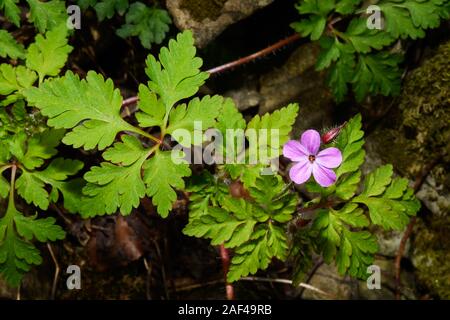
point(362, 58)
point(255, 222)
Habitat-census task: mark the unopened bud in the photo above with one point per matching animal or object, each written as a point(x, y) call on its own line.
point(330, 135)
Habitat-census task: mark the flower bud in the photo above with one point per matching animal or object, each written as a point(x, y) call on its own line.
point(330, 135)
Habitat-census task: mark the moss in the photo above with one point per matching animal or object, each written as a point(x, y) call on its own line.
point(418, 132)
point(202, 9)
point(432, 255)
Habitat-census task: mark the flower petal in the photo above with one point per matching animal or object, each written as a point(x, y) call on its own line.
point(301, 171)
point(294, 150)
point(311, 141)
point(324, 176)
point(329, 158)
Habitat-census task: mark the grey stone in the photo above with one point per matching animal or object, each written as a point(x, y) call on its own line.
point(210, 27)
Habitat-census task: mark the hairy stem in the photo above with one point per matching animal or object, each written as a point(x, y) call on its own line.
point(225, 256)
point(264, 52)
point(255, 55)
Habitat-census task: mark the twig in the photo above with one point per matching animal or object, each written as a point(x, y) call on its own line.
point(163, 269)
point(287, 281)
point(225, 256)
point(255, 55)
point(310, 275)
point(61, 214)
point(398, 258)
point(148, 279)
point(129, 101)
point(197, 285)
point(57, 270)
point(18, 292)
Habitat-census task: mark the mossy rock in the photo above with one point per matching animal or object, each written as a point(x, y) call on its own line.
point(418, 131)
point(431, 255)
point(202, 9)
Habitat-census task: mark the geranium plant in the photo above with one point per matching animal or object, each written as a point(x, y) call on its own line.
point(141, 159)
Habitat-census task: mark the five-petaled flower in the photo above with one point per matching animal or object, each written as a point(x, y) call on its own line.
point(310, 161)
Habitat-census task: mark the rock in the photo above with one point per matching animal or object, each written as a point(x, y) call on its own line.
point(418, 132)
point(328, 280)
point(387, 283)
point(246, 96)
point(431, 255)
point(287, 83)
point(207, 18)
point(435, 197)
point(389, 242)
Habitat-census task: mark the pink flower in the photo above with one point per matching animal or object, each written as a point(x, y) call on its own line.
point(309, 160)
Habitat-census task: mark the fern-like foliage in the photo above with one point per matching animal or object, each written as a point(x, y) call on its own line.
point(149, 23)
point(90, 109)
point(360, 57)
point(29, 167)
point(45, 15)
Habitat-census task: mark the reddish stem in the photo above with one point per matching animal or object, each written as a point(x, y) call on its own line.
point(129, 101)
point(255, 55)
point(225, 256)
point(238, 62)
point(398, 259)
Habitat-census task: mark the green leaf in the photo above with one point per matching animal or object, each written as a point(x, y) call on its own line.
point(347, 6)
point(152, 110)
point(49, 53)
point(232, 120)
point(150, 24)
point(9, 47)
point(271, 132)
point(14, 80)
point(351, 141)
point(84, 4)
point(202, 113)
point(177, 74)
point(31, 184)
point(347, 186)
point(111, 186)
point(341, 73)
point(162, 175)
point(313, 27)
point(126, 152)
point(353, 250)
point(315, 24)
point(42, 229)
point(266, 242)
point(91, 107)
point(377, 74)
point(364, 39)
point(331, 51)
point(352, 215)
point(205, 190)
point(12, 11)
point(107, 8)
point(273, 196)
point(41, 146)
point(16, 255)
point(47, 15)
point(390, 201)
point(356, 253)
point(376, 182)
point(409, 18)
point(221, 227)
